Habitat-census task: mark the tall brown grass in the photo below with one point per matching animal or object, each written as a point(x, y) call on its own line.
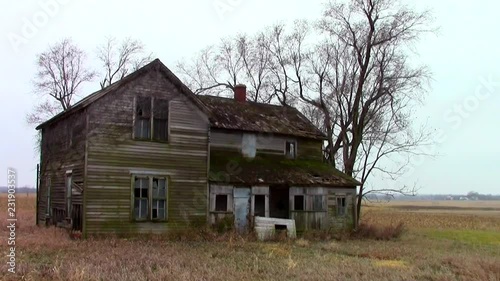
point(49, 254)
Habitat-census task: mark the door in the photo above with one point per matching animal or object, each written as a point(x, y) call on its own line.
point(241, 207)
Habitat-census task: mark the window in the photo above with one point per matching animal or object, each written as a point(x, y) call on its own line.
point(150, 194)
point(260, 206)
point(298, 203)
point(160, 121)
point(49, 183)
point(221, 203)
point(317, 203)
point(69, 182)
point(151, 119)
point(341, 206)
point(290, 149)
point(159, 195)
point(142, 125)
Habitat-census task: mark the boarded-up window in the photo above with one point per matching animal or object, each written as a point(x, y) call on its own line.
point(142, 125)
point(298, 203)
point(160, 122)
point(249, 145)
point(260, 206)
point(341, 206)
point(317, 203)
point(221, 203)
point(290, 149)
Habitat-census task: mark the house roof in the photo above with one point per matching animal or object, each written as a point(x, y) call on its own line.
point(250, 116)
point(155, 64)
point(229, 167)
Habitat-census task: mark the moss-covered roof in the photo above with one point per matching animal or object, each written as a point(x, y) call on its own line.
point(231, 168)
point(250, 116)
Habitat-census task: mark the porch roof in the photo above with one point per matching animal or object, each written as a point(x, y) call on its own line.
point(228, 167)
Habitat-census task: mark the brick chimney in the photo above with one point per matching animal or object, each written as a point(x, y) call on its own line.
point(240, 93)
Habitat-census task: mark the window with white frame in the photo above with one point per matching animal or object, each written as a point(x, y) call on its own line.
point(150, 198)
point(290, 149)
point(341, 206)
point(151, 119)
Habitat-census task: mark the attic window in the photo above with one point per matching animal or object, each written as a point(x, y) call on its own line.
point(142, 124)
point(290, 149)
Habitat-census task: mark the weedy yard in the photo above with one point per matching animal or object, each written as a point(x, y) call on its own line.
point(443, 241)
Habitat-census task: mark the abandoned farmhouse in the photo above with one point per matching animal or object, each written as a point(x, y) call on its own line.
point(146, 155)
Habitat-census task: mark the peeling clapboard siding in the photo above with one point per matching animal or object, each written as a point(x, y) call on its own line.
point(327, 218)
point(310, 149)
point(114, 156)
point(62, 149)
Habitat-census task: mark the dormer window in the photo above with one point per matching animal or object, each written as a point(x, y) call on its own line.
point(290, 149)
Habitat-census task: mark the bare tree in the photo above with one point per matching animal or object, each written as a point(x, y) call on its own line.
point(60, 74)
point(120, 58)
point(237, 60)
point(351, 74)
point(374, 110)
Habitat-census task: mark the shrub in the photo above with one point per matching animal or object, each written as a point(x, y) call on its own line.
point(371, 231)
point(224, 225)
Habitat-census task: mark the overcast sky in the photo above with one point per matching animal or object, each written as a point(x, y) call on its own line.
point(463, 104)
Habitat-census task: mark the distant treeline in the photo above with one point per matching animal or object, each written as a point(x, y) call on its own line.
point(3, 189)
point(436, 197)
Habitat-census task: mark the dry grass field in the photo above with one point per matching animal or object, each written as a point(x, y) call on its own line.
point(444, 241)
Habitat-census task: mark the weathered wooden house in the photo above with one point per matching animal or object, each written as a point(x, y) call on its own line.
point(145, 155)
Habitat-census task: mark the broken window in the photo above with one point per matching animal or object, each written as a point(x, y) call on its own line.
point(298, 203)
point(260, 206)
point(221, 203)
point(151, 119)
point(150, 196)
point(290, 149)
point(341, 206)
point(141, 198)
point(317, 203)
point(160, 122)
point(159, 195)
point(143, 118)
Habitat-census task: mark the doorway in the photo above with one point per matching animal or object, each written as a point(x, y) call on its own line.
point(279, 202)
